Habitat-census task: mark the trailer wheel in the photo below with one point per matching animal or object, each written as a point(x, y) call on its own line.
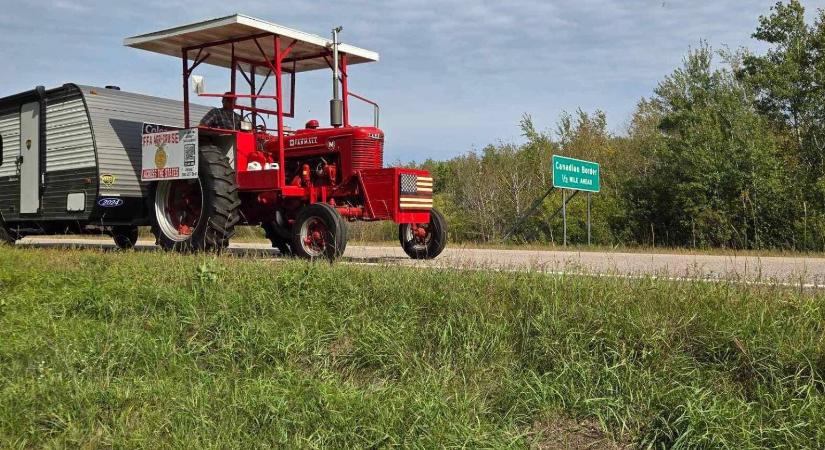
point(279, 237)
point(424, 241)
point(198, 214)
point(125, 237)
point(319, 231)
point(7, 237)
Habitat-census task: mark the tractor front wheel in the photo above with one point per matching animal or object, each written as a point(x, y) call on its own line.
point(198, 214)
point(319, 231)
point(424, 240)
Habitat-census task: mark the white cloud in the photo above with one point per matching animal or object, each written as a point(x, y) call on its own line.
point(70, 5)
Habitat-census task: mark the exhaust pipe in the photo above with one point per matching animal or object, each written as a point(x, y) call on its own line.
point(336, 106)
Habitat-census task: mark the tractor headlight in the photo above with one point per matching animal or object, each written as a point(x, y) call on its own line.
point(246, 126)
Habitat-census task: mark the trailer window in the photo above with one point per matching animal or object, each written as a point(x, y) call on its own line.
point(1, 149)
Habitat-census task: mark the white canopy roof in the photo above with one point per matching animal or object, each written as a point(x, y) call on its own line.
point(306, 53)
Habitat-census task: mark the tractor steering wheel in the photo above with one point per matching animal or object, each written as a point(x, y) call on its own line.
point(257, 115)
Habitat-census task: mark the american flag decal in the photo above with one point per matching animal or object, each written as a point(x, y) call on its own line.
point(416, 191)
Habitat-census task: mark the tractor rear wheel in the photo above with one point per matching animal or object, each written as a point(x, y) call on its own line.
point(125, 237)
point(424, 240)
point(279, 237)
point(319, 231)
point(198, 214)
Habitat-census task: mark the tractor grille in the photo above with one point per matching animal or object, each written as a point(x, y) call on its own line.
point(367, 154)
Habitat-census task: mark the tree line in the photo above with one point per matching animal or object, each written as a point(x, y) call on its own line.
point(728, 151)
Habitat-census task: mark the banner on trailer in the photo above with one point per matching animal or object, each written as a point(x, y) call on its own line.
point(169, 155)
point(149, 128)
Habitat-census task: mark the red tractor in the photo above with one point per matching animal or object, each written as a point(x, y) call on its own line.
point(302, 186)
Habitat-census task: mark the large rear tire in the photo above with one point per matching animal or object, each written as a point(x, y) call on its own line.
point(319, 231)
point(424, 241)
point(198, 214)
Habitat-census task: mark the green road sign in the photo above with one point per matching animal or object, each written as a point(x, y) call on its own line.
point(571, 173)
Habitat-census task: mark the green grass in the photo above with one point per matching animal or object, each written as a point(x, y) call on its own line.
point(160, 350)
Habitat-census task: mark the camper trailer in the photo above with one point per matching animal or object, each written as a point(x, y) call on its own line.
point(70, 160)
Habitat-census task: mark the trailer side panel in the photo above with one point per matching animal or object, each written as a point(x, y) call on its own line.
point(9, 184)
point(71, 170)
point(69, 141)
point(117, 118)
point(10, 130)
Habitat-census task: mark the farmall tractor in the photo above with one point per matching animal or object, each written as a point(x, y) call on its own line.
point(302, 186)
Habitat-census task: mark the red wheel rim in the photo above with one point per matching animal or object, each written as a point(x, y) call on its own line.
point(184, 206)
point(314, 236)
point(178, 208)
point(420, 233)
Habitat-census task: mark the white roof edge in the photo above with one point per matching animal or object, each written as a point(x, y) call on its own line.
point(169, 32)
point(262, 25)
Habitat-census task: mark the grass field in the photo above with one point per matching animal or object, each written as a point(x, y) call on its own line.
point(160, 350)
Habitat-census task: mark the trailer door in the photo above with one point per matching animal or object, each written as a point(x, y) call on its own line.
point(29, 158)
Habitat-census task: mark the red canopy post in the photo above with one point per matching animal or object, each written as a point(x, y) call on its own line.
point(185, 56)
point(344, 88)
point(280, 102)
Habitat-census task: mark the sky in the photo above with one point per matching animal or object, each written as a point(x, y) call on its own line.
point(453, 75)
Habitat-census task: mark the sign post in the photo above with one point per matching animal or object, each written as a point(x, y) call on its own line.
point(577, 175)
point(588, 218)
point(564, 214)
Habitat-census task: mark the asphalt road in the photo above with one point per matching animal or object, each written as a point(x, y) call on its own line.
point(794, 271)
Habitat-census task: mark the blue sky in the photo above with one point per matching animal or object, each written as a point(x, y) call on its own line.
point(454, 75)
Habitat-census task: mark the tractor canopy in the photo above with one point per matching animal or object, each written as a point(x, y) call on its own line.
point(248, 36)
point(258, 55)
